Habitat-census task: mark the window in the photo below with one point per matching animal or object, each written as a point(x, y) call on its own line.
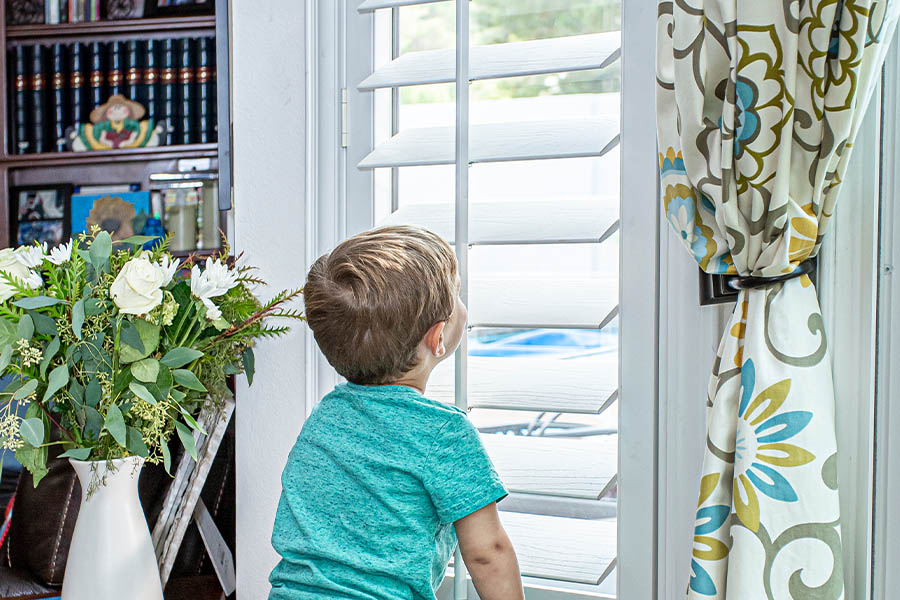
point(558, 273)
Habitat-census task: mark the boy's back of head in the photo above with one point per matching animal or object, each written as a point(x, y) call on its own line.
point(372, 299)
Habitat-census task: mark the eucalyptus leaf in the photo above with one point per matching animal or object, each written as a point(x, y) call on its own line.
point(35, 460)
point(43, 324)
point(92, 393)
point(187, 379)
point(232, 369)
point(165, 380)
point(145, 370)
point(130, 335)
point(32, 431)
point(135, 443)
point(99, 252)
point(49, 353)
point(122, 380)
point(26, 390)
point(115, 424)
point(192, 421)
point(58, 379)
point(33, 302)
point(187, 439)
point(26, 328)
point(76, 391)
point(178, 396)
point(167, 456)
point(178, 357)
point(142, 392)
point(76, 453)
point(78, 318)
point(93, 307)
point(139, 240)
point(149, 336)
point(8, 333)
point(5, 357)
point(93, 421)
point(249, 364)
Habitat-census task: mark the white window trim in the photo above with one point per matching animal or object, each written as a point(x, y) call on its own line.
point(886, 528)
point(333, 178)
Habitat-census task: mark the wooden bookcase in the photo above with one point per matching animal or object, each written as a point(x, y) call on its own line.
point(113, 166)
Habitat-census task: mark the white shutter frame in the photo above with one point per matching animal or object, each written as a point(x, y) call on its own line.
point(515, 59)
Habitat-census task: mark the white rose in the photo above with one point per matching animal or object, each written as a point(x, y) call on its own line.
point(136, 290)
point(12, 266)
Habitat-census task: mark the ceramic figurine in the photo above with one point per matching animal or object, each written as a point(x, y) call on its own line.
point(115, 124)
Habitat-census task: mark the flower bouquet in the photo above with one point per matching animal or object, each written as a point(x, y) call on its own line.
point(113, 351)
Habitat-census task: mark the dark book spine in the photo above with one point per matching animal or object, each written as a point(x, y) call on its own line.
point(166, 101)
point(97, 95)
point(147, 92)
point(61, 104)
point(78, 83)
point(206, 84)
point(214, 102)
point(20, 141)
point(187, 114)
point(38, 98)
point(115, 72)
point(133, 72)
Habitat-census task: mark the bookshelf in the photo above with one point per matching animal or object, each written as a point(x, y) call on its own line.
point(120, 166)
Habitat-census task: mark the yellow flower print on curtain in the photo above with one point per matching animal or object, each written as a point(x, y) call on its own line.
point(758, 106)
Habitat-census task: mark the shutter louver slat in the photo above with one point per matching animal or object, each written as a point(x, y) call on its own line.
point(576, 550)
point(554, 55)
point(372, 5)
point(581, 385)
point(542, 301)
point(590, 219)
point(574, 468)
point(496, 142)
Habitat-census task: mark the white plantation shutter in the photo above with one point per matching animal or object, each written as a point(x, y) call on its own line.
point(549, 472)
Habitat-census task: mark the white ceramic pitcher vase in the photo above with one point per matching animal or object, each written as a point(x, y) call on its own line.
point(111, 556)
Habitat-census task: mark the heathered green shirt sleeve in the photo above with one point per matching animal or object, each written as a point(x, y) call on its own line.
point(370, 493)
point(460, 476)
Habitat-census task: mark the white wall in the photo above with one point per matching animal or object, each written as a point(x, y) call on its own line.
point(268, 108)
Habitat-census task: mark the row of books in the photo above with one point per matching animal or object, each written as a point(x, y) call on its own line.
point(57, 86)
point(71, 11)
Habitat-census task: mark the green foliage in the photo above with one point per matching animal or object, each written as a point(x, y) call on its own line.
point(104, 384)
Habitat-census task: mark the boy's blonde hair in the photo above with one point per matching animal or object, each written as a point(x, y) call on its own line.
point(372, 299)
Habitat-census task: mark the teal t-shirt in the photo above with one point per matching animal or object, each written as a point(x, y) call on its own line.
point(370, 493)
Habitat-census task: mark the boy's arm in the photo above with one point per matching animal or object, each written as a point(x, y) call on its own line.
point(489, 555)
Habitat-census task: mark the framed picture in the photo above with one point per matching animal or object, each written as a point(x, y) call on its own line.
point(40, 213)
point(168, 8)
point(122, 215)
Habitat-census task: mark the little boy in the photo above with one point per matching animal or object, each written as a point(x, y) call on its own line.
point(382, 481)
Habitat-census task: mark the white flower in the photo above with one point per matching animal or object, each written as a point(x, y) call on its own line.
point(212, 311)
point(12, 266)
point(61, 254)
point(31, 256)
point(169, 267)
point(137, 288)
point(214, 281)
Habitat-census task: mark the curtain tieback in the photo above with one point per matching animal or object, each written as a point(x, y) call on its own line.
point(746, 283)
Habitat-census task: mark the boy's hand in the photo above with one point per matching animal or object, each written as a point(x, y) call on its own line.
point(489, 555)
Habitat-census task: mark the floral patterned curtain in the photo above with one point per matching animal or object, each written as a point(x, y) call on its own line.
point(759, 102)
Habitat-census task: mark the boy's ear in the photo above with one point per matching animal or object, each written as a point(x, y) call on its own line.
point(434, 339)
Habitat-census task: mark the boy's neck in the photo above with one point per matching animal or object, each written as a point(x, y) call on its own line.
point(417, 378)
